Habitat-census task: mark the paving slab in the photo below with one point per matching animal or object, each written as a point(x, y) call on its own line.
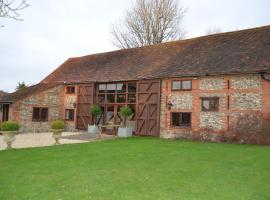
point(27, 140)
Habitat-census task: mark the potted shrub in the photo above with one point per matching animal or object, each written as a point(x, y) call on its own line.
point(9, 129)
point(57, 129)
point(95, 110)
point(125, 131)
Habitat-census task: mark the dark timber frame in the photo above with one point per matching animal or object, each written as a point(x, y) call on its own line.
point(147, 105)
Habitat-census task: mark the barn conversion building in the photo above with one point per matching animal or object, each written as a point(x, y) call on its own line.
point(176, 89)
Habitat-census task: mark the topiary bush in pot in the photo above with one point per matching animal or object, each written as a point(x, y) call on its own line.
point(125, 131)
point(95, 110)
point(57, 127)
point(9, 129)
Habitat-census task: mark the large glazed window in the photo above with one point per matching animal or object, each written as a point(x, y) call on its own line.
point(112, 96)
point(117, 93)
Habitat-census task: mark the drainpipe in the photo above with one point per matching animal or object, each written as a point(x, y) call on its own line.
point(263, 76)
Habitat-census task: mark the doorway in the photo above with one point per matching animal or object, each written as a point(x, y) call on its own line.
point(5, 112)
point(111, 97)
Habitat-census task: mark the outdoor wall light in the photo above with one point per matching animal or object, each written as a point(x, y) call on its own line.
point(169, 105)
point(74, 105)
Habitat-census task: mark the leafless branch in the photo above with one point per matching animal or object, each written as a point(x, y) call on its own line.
point(149, 22)
point(11, 8)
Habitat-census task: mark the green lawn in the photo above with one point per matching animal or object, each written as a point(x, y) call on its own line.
point(136, 168)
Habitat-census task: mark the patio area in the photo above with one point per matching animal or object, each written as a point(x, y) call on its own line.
point(27, 140)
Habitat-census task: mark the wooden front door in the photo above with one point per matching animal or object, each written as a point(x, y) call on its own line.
point(84, 102)
point(148, 111)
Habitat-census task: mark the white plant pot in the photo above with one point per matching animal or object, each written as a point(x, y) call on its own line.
point(124, 132)
point(93, 129)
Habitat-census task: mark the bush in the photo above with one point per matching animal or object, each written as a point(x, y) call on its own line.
point(10, 126)
point(126, 111)
point(250, 128)
point(95, 110)
point(58, 124)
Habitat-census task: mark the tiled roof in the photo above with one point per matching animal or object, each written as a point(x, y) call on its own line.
point(2, 93)
point(245, 51)
point(15, 96)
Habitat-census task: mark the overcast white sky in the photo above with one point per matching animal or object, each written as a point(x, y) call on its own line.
point(54, 30)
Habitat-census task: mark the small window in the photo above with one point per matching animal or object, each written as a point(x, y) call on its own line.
point(179, 119)
point(70, 90)
point(40, 114)
point(182, 85)
point(210, 104)
point(69, 114)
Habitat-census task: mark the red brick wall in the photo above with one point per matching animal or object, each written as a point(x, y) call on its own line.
point(243, 94)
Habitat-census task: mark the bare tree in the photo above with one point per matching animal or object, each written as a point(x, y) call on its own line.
point(11, 8)
point(214, 30)
point(149, 22)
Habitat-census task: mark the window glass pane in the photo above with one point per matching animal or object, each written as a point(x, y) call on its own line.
point(186, 85)
point(110, 98)
point(101, 98)
point(132, 87)
point(36, 114)
point(110, 115)
point(102, 88)
point(111, 88)
point(121, 98)
point(205, 104)
point(176, 119)
point(131, 98)
point(186, 119)
point(69, 114)
point(133, 108)
point(121, 87)
point(119, 119)
point(100, 118)
point(214, 104)
point(70, 90)
point(44, 114)
point(176, 85)
point(210, 104)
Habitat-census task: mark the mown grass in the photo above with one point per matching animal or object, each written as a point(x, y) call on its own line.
point(136, 168)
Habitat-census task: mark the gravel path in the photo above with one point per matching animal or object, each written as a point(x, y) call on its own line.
point(27, 140)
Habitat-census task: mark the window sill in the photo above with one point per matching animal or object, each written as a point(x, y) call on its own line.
point(174, 90)
point(69, 120)
point(209, 110)
point(181, 127)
